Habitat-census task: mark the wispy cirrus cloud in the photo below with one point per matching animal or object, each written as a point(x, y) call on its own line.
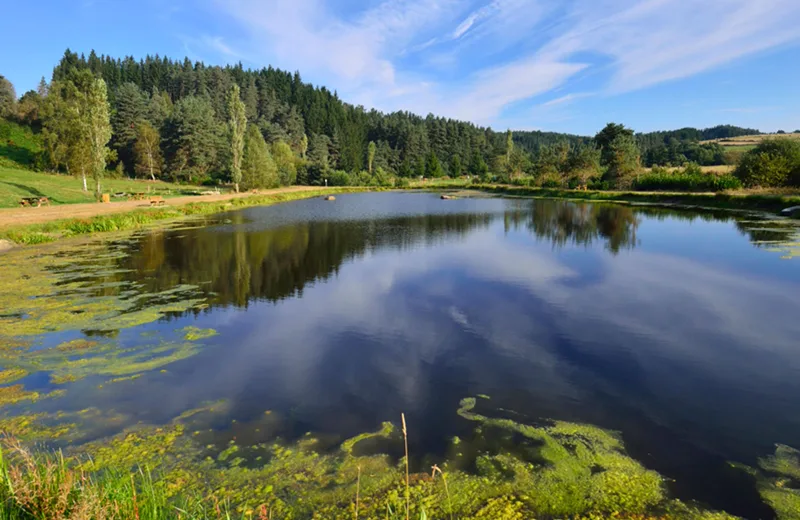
point(567, 99)
point(475, 60)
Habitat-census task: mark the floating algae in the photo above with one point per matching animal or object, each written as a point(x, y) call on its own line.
point(16, 393)
point(778, 480)
point(196, 333)
point(580, 472)
point(12, 374)
point(79, 287)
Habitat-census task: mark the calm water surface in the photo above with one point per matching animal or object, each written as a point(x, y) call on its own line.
point(679, 329)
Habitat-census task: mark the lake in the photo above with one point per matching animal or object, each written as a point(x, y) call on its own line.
point(679, 329)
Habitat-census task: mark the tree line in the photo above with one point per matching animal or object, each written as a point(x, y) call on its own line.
point(187, 122)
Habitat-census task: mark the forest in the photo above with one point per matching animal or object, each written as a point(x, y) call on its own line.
point(186, 122)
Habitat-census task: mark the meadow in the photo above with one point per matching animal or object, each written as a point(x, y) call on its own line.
point(17, 183)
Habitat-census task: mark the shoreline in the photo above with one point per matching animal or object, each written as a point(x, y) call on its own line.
point(53, 229)
point(61, 228)
point(679, 200)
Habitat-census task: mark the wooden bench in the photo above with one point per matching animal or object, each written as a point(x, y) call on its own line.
point(33, 201)
point(157, 201)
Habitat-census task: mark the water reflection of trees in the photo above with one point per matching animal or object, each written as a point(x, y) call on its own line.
point(235, 265)
point(564, 223)
point(238, 266)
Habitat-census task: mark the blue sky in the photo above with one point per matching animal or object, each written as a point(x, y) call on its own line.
point(560, 65)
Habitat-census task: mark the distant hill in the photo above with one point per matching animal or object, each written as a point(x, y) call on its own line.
point(654, 139)
point(532, 141)
point(748, 140)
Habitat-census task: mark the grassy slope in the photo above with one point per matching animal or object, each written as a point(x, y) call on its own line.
point(19, 145)
point(62, 189)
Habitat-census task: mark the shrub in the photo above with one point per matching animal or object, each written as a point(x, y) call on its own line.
point(692, 169)
point(773, 163)
point(339, 178)
point(401, 182)
point(598, 184)
point(550, 180)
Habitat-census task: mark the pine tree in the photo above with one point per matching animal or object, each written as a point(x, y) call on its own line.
point(623, 160)
point(42, 88)
point(192, 139)
point(455, 166)
point(433, 168)
point(130, 108)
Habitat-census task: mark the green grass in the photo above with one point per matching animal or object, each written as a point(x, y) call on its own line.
point(16, 183)
point(50, 231)
point(20, 147)
point(740, 147)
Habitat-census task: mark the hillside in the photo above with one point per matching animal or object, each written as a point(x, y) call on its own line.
point(20, 146)
point(748, 142)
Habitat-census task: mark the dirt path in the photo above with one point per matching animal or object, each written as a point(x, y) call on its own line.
point(23, 216)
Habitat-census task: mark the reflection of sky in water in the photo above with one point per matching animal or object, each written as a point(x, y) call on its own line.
point(686, 342)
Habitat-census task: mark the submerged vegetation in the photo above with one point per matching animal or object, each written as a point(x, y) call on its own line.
point(555, 470)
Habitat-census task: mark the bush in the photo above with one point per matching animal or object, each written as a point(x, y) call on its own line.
point(401, 182)
point(599, 185)
point(550, 180)
point(773, 163)
point(339, 178)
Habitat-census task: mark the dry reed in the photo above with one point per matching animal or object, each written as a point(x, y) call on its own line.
point(405, 440)
point(435, 469)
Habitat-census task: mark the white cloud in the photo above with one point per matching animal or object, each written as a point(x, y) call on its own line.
point(565, 100)
point(472, 60)
point(651, 41)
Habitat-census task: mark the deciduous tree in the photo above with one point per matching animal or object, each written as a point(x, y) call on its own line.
point(147, 150)
point(237, 123)
point(258, 167)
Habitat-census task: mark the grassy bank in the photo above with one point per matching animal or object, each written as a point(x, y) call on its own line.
point(742, 200)
point(47, 232)
point(63, 189)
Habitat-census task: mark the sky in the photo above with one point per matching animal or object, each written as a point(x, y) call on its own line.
point(556, 65)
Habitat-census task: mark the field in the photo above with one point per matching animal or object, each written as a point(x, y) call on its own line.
point(63, 189)
point(745, 143)
point(720, 169)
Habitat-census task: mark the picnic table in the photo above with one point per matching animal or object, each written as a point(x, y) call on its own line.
point(157, 201)
point(33, 201)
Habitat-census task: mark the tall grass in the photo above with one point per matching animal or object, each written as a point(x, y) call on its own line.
point(44, 486)
point(47, 486)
